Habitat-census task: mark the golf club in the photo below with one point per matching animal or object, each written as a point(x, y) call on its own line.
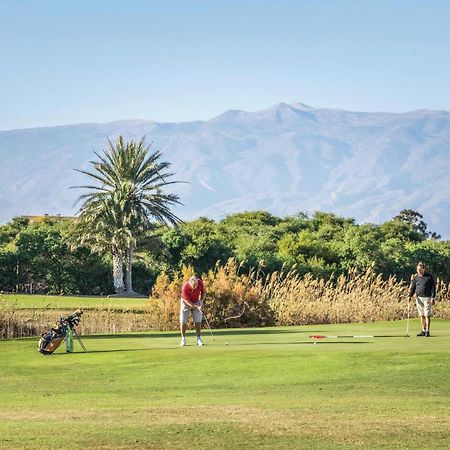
point(79, 340)
point(407, 320)
point(207, 323)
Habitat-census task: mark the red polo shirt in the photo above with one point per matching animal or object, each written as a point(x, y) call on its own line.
point(192, 295)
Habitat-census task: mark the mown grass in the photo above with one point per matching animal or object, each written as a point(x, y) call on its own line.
point(268, 388)
point(26, 301)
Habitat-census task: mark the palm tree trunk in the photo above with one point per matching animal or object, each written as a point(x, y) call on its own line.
point(129, 270)
point(119, 285)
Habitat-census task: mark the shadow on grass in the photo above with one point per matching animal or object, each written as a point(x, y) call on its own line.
point(391, 336)
point(246, 331)
point(222, 332)
point(215, 345)
point(109, 351)
point(130, 335)
point(217, 333)
point(306, 343)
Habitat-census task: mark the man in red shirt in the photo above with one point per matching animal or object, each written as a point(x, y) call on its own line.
point(192, 297)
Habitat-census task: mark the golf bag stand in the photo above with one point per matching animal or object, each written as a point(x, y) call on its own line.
point(63, 330)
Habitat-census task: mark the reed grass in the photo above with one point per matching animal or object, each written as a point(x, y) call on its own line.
point(355, 297)
point(286, 298)
point(21, 322)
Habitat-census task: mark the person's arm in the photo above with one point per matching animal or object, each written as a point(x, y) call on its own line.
point(433, 290)
point(187, 302)
point(192, 305)
point(202, 295)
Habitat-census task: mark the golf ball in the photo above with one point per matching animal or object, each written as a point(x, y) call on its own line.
point(226, 343)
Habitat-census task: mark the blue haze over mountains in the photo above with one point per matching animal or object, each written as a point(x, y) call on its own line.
point(285, 159)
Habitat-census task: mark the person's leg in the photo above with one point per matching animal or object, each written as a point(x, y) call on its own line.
point(197, 316)
point(184, 317)
point(427, 316)
point(198, 330)
point(420, 310)
point(423, 319)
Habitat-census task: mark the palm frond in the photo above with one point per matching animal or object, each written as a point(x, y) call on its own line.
point(129, 195)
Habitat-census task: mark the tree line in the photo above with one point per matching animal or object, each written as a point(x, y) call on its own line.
point(126, 222)
point(39, 255)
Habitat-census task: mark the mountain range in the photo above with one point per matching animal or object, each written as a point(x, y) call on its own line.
point(284, 159)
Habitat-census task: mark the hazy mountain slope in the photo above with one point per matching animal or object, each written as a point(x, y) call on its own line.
point(285, 159)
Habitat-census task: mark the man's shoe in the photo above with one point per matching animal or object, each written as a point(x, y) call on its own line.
point(422, 333)
point(199, 341)
point(427, 334)
point(183, 342)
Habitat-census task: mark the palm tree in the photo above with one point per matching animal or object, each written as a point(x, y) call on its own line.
point(99, 229)
point(118, 209)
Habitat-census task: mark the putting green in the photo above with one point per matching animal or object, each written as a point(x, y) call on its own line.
point(268, 388)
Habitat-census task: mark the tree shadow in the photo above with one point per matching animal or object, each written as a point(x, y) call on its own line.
point(258, 331)
point(217, 344)
point(217, 332)
point(391, 336)
point(130, 335)
point(108, 351)
point(306, 343)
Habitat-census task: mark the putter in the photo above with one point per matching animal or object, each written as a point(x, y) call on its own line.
point(209, 327)
point(407, 320)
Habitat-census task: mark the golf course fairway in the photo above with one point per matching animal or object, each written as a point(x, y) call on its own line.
point(267, 388)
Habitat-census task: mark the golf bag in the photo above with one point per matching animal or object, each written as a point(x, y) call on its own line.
point(62, 331)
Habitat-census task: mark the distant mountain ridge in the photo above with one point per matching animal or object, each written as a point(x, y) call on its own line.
point(284, 159)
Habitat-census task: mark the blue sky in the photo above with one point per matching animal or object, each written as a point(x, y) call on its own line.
point(77, 61)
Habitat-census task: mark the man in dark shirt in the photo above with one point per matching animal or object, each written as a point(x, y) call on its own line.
point(424, 287)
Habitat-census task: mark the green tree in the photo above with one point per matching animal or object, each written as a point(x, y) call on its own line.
point(309, 252)
point(361, 247)
point(199, 243)
point(36, 256)
point(119, 208)
point(329, 224)
point(293, 224)
point(253, 237)
point(414, 219)
point(8, 270)
point(436, 256)
point(250, 219)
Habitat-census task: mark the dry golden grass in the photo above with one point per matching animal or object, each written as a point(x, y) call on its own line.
point(229, 292)
point(286, 298)
point(356, 297)
point(13, 324)
point(32, 322)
